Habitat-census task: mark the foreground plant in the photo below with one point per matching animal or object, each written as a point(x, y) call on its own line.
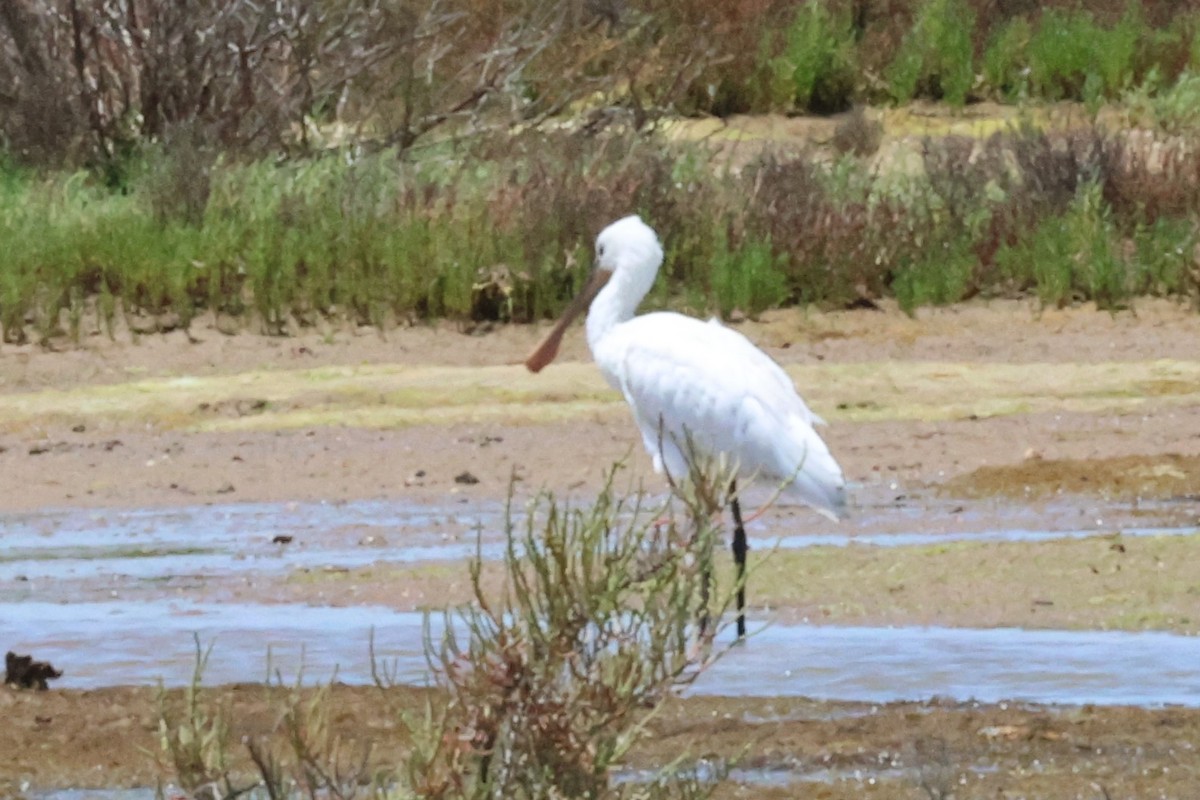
point(194, 739)
point(546, 681)
point(554, 677)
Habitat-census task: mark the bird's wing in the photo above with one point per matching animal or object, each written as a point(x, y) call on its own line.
point(685, 378)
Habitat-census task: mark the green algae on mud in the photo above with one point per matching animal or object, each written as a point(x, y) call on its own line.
point(1106, 582)
point(393, 395)
point(1164, 476)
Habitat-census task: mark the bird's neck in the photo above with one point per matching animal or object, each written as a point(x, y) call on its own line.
point(615, 304)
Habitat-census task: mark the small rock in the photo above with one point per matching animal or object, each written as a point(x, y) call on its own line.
point(466, 478)
point(226, 489)
point(227, 324)
point(25, 673)
point(48, 447)
point(282, 538)
point(80, 428)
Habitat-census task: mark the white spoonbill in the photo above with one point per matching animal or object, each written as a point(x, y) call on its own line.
point(686, 378)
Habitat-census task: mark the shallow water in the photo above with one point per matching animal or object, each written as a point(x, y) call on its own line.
point(117, 643)
point(236, 538)
point(218, 540)
point(703, 772)
point(46, 555)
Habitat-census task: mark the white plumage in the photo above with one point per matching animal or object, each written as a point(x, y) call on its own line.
point(683, 377)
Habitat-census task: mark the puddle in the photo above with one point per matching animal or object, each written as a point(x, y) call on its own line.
point(119, 643)
point(881, 665)
point(703, 773)
point(143, 793)
point(778, 777)
point(1008, 535)
point(235, 538)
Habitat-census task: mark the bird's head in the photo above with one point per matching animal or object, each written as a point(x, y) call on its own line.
point(627, 252)
point(629, 246)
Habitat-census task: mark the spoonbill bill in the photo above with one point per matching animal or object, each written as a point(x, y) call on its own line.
point(696, 387)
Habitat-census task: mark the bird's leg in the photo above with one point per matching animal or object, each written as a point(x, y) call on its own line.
point(739, 559)
point(704, 554)
point(757, 514)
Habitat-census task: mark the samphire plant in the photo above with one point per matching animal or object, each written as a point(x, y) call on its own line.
point(542, 684)
point(551, 678)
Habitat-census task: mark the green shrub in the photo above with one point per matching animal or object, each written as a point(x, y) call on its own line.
point(816, 69)
point(748, 279)
point(1071, 56)
point(1073, 256)
point(1061, 53)
point(595, 626)
point(936, 57)
point(942, 275)
point(1164, 257)
point(1174, 109)
point(1005, 59)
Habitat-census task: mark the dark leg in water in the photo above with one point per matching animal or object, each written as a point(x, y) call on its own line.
point(739, 559)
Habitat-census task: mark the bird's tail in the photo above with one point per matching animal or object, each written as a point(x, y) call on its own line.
point(818, 480)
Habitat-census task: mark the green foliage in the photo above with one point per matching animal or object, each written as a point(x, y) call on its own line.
point(1164, 257)
point(1174, 109)
point(367, 70)
point(748, 279)
point(938, 277)
point(1060, 53)
point(1071, 56)
point(816, 70)
point(1005, 59)
point(936, 57)
point(1103, 272)
point(1073, 255)
point(506, 233)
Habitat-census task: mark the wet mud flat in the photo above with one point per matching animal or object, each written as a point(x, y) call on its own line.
point(771, 747)
point(1019, 479)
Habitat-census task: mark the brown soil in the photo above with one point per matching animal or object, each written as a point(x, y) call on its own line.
point(109, 738)
point(912, 388)
point(967, 412)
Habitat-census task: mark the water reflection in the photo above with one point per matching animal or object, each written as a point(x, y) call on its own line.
point(117, 643)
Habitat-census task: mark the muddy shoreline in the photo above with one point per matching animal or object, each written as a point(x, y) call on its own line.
point(974, 418)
